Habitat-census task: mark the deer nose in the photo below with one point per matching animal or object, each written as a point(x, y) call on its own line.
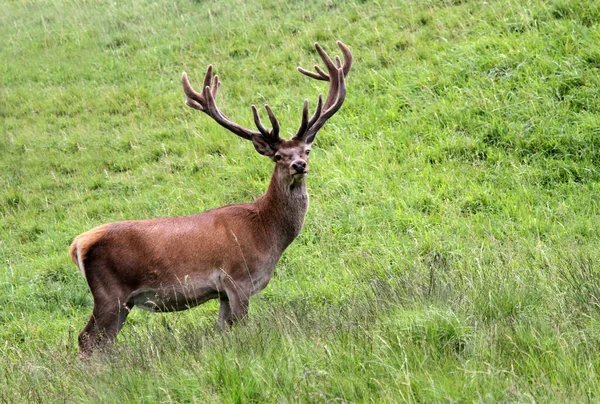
point(299, 166)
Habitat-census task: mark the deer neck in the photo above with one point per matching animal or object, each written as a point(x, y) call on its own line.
point(283, 208)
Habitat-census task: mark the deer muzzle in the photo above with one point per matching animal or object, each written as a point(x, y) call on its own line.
point(299, 167)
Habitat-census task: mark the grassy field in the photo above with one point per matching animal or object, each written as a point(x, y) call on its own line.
point(451, 250)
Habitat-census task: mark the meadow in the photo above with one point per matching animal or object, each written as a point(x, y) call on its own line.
point(451, 249)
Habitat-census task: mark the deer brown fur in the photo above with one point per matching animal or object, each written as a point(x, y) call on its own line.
point(228, 253)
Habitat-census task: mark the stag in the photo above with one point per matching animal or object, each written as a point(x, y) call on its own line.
point(228, 253)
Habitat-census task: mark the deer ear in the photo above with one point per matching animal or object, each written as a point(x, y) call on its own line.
point(263, 147)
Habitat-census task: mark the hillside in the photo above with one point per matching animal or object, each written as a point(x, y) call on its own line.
point(451, 248)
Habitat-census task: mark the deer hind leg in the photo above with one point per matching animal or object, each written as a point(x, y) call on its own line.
point(105, 323)
point(110, 309)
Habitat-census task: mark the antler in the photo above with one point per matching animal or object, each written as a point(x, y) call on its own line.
point(205, 102)
point(336, 75)
point(267, 141)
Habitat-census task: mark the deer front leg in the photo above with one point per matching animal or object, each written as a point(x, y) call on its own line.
point(234, 306)
point(224, 314)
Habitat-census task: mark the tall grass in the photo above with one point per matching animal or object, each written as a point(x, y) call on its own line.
point(451, 248)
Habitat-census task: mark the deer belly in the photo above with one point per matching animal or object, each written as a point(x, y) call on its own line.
point(173, 298)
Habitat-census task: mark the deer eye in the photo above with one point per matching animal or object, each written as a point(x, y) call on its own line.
point(278, 157)
point(307, 152)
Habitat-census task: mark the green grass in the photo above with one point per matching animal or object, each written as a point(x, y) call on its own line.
point(451, 250)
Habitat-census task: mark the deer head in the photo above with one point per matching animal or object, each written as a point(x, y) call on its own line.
point(290, 156)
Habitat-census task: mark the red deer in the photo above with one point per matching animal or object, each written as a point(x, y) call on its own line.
point(228, 253)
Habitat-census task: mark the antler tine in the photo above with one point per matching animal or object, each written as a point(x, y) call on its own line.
point(317, 111)
point(319, 75)
point(258, 122)
point(270, 135)
point(304, 121)
point(192, 99)
point(208, 77)
point(347, 57)
point(216, 85)
point(336, 75)
point(341, 96)
point(274, 123)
